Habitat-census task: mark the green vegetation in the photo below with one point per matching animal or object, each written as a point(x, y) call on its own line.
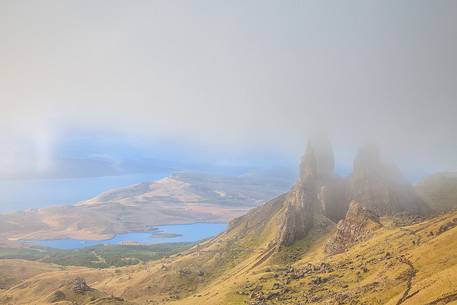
point(101, 256)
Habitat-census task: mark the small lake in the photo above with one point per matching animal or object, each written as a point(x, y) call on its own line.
point(158, 235)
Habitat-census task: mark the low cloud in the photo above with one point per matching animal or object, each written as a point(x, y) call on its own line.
point(263, 74)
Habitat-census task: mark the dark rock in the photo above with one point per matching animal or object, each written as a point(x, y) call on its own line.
point(272, 295)
point(358, 225)
point(301, 202)
point(80, 285)
point(381, 188)
point(184, 272)
point(447, 226)
point(56, 296)
point(319, 280)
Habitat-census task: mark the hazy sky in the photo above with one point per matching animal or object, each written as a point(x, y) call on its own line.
point(235, 75)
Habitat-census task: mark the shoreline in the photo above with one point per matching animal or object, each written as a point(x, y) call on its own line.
point(149, 236)
point(148, 228)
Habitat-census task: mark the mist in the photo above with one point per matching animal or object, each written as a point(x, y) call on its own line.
point(259, 76)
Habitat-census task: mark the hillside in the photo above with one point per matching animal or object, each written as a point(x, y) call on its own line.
point(178, 199)
point(396, 265)
point(288, 251)
point(439, 191)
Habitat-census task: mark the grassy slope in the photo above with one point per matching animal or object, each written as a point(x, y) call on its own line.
point(171, 278)
point(15, 271)
point(409, 265)
point(397, 266)
point(216, 260)
point(38, 289)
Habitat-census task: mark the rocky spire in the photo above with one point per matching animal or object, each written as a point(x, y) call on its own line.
point(331, 188)
point(301, 202)
point(317, 193)
point(380, 187)
point(368, 159)
point(324, 155)
point(308, 166)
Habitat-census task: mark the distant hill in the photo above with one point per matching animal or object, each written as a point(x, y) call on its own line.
point(247, 190)
point(184, 197)
point(439, 191)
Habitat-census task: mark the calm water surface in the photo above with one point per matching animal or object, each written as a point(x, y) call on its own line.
point(185, 233)
point(23, 194)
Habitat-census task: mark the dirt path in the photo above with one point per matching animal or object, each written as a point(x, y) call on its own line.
point(411, 274)
point(444, 300)
point(263, 257)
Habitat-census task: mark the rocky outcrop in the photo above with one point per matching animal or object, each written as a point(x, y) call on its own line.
point(80, 286)
point(358, 225)
point(332, 193)
point(57, 296)
point(301, 202)
point(325, 160)
point(381, 188)
point(318, 193)
point(319, 197)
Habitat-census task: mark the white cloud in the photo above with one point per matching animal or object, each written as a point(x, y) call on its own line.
point(264, 73)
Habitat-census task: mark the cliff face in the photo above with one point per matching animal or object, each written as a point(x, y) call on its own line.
point(317, 194)
point(381, 187)
point(301, 202)
point(358, 225)
point(375, 188)
point(297, 211)
point(332, 193)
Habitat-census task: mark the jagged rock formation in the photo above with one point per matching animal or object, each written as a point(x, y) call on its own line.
point(358, 225)
point(331, 188)
point(317, 194)
point(80, 285)
point(301, 202)
point(375, 188)
point(296, 212)
point(381, 188)
point(324, 155)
